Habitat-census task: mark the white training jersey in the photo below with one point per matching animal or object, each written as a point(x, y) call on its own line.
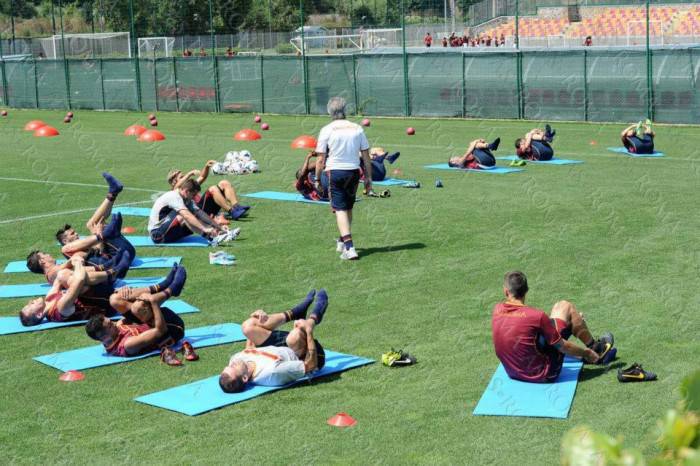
point(342, 141)
point(164, 205)
point(274, 365)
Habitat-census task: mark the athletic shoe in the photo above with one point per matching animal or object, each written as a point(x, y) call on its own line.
point(349, 254)
point(638, 129)
point(225, 237)
point(115, 187)
point(395, 358)
point(113, 228)
point(384, 194)
point(168, 356)
point(339, 246)
point(494, 145)
point(608, 358)
point(438, 183)
point(393, 156)
point(188, 352)
point(178, 282)
point(647, 123)
point(517, 163)
point(320, 306)
point(238, 212)
point(221, 260)
point(412, 184)
point(371, 193)
point(635, 373)
point(604, 344)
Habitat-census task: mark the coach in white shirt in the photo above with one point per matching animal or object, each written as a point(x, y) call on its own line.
point(340, 145)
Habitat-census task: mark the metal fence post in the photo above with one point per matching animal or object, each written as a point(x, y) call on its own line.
point(4, 75)
point(65, 60)
point(464, 86)
point(155, 82)
point(36, 85)
point(262, 84)
point(135, 57)
point(406, 90)
point(650, 74)
point(102, 84)
point(304, 65)
point(354, 83)
point(177, 86)
point(215, 61)
point(519, 77)
point(585, 85)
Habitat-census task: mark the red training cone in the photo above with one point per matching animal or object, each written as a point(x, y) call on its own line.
point(247, 135)
point(71, 376)
point(128, 230)
point(134, 130)
point(342, 420)
point(46, 132)
point(34, 125)
point(151, 135)
point(304, 142)
point(257, 119)
point(410, 131)
point(366, 122)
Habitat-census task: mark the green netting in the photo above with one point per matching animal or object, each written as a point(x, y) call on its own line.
point(168, 90)
point(196, 84)
point(240, 88)
point(617, 85)
point(435, 84)
point(2, 84)
point(380, 84)
point(85, 85)
point(21, 81)
point(119, 81)
point(51, 79)
point(284, 85)
point(675, 91)
point(491, 85)
point(329, 77)
point(553, 86)
point(148, 85)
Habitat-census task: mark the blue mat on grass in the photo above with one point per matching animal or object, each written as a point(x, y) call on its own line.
point(189, 241)
point(10, 325)
point(493, 171)
point(622, 150)
point(95, 356)
point(554, 161)
point(278, 196)
point(138, 263)
point(507, 397)
point(40, 289)
point(206, 395)
point(132, 211)
point(392, 182)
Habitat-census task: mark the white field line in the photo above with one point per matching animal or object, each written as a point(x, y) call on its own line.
point(70, 183)
point(65, 212)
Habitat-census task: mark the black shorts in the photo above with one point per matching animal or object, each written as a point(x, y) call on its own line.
point(279, 338)
point(556, 357)
point(170, 230)
point(343, 188)
point(176, 328)
point(541, 150)
point(208, 204)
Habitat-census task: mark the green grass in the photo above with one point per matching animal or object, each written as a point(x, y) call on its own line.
point(616, 236)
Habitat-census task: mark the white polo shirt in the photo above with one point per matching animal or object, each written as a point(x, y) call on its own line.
point(164, 205)
point(342, 141)
point(274, 365)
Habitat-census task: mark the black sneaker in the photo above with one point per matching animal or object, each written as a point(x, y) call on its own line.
point(635, 373)
point(603, 345)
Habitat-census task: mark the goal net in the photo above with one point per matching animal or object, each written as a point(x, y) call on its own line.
point(331, 44)
point(102, 44)
point(156, 46)
point(373, 38)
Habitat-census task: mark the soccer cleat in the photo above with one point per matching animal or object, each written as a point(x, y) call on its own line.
point(222, 260)
point(225, 237)
point(604, 344)
point(238, 212)
point(168, 356)
point(518, 163)
point(412, 184)
point(384, 194)
point(115, 187)
point(638, 129)
point(393, 156)
point(349, 255)
point(647, 123)
point(113, 228)
point(635, 373)
point(494, 145)
point(188, 352)
point(339, 246)
point(438, 183)
point(178, 282)
point(395, 358)
point(608, 358)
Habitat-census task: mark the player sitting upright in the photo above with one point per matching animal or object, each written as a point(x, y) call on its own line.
point(378, 155)
point(215, 198)
point(639, 138)
point(531, 344)
point(306, 180)
point(273, 357)
point(162, 329)
point(477, 156)
point(536, 145)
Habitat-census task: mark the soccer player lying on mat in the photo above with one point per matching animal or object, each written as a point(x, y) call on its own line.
point(274, 357)
point(175, 216)
point(536, 145)
point(639, 138)
point(531, 345)
point(125, 299)
point(128, 338)
point(306, 180)
point(378, 155)
point(77, 294)
point(219, 196)
point(478, 155)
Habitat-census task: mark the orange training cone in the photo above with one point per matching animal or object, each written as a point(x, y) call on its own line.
point(34, 125)
point(247, 135)
point(128, 230)
point(46, 132)
point(134, 130)
point(342, 420)
point(304, 142)
point(71, 376)
point(152, 135)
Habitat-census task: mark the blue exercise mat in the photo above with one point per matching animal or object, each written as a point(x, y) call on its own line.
point(493, 171)
point(622, 150)
point(554, 161)
point(10, 325)
point(188, 241)
point(138, 263)
point(205, 395)
point(507, 397)
point(391, 182)
point(95, 356)
point(40, 289)
point(278, 196)
point(132, 211)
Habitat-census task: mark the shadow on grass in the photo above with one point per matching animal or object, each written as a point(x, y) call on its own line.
point(400, 247)
point(591, 372)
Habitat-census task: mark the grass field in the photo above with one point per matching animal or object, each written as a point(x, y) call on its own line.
point(617, 236)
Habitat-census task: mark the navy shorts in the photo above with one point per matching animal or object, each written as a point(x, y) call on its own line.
point(343, 188)
point(484, 157)
point(170, 230)
point(541, 150)
point(113, 246)
point(637, 145)
point(279, 338)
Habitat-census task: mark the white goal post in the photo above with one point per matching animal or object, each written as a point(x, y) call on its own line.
point(336, 43)
point(158, 46)
point(101, 44)
point(373, 38)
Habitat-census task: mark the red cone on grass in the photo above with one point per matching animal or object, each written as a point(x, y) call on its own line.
point(3, 113)
point(46, 132)
point(264, 126)
point(134, 130)
point(342, 420)
point(128, 230)
point(247, 135)
point(154, 122)
point(257, 119)
point(67, 119)
point(366, 122)
point(71, 376)
point(151, 135)
point(34, 125)
point(410, 131)
point(151, 116)
point(69, 114)
point(304, 142)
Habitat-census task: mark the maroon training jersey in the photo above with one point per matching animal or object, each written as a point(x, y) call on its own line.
point(515, 332)
point(125, 331)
